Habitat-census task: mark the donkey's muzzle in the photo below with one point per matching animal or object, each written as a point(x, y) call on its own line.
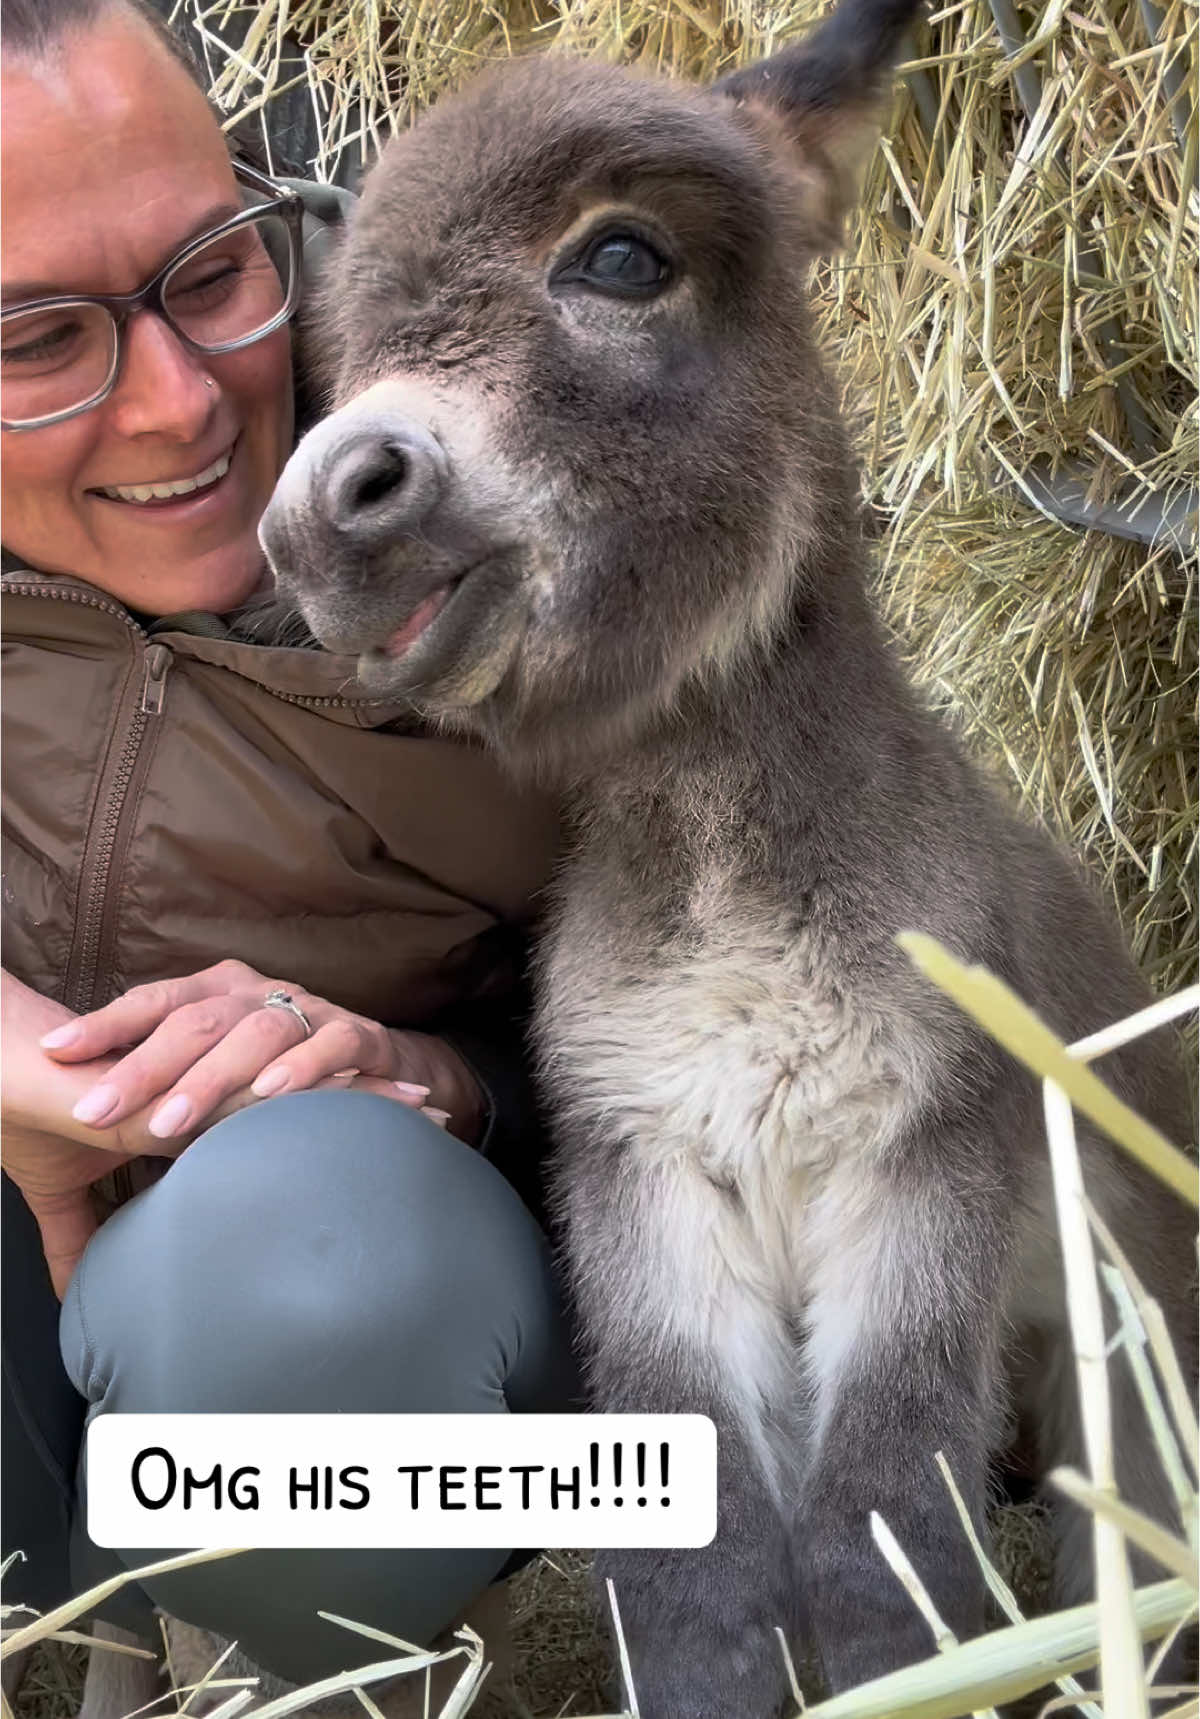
point(364, 479)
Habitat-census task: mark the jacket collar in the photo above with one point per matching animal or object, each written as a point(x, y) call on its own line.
point(306, 675)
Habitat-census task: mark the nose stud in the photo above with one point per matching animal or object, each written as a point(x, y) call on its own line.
point(208, 382)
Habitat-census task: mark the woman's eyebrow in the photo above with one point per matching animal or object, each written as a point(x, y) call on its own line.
point(18, 291)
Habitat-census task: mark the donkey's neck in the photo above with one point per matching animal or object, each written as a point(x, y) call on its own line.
point(787, 725)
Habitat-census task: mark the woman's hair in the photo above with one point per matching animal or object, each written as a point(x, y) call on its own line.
point(34, 28)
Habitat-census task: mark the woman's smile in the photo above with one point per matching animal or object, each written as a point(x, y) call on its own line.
point(178, 499)
point(167, 488)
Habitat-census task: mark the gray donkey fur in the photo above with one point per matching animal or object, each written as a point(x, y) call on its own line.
point(585, 495)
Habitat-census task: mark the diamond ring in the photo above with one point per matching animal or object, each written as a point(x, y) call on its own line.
point(281, 1000)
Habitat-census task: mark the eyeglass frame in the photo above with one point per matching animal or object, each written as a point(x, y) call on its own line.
point(121, 306)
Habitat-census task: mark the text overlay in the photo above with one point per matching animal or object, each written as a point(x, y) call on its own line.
point(205, 1481)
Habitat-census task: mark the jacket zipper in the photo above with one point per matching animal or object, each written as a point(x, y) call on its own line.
point(71, 594)
point(107, 845)
point(333, 702)
point(104, 836)
point(101, 927)
point(102, 914)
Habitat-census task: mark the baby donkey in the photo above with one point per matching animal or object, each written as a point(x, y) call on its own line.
point(584, 495)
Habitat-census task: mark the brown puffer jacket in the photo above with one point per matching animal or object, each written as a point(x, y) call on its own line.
point(174, 798)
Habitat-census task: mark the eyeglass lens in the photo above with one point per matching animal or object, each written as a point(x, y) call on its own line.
point(228, 291)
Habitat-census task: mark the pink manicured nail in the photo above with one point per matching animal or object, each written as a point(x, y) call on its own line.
point(441, 1117)
point(96, 1104)
point(172, 1117)
point(269, 1081)
point(61, 1037)
point(411, 1091)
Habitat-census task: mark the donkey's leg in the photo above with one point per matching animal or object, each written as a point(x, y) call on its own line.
point(903, 1354)
point(677, 1319)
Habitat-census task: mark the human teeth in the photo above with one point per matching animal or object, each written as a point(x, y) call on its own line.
point(180, 486)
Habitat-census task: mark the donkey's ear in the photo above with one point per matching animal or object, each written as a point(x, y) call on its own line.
point(824, 95)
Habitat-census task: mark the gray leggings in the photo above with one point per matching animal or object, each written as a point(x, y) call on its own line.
point(321, 1251)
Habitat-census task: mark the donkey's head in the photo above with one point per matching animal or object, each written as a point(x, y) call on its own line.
point(582, 448)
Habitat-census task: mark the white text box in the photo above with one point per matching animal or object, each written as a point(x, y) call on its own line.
point(206, 1481)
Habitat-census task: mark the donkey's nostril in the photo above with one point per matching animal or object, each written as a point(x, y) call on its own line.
point(390, 471)
point(377, 480)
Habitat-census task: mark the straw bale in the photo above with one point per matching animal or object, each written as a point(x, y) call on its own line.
point(1018, 293)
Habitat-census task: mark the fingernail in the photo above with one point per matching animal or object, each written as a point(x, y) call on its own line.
point(441, 1117)
point(60, 1038)
point(172, 1117)
point(269, 1081)
point(96, 1104)
point(409, 1090)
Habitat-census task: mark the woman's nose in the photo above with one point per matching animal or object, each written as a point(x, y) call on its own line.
point(162, 388)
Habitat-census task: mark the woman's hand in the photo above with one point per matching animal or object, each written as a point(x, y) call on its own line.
point(54, 1158)
point(199, 1041)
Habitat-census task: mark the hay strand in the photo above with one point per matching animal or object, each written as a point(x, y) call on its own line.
point(1122, 1683)
point(1006, 1664)
point(1172, 1553)
point(990, 1002)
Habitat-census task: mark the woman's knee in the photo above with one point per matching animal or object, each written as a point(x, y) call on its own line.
point(323, 1249)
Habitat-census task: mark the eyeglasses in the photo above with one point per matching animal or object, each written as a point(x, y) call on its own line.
point(228, 288)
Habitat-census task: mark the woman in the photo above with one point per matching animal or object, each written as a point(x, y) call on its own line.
point(228, 877)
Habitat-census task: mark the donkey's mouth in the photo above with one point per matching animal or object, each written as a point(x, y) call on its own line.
point(423, 616)
point(453, 647)
point(397, 645)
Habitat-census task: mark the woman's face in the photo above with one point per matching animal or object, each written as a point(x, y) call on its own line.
point(111, 162)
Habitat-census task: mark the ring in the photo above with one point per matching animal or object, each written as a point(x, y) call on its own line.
point(280, 1000)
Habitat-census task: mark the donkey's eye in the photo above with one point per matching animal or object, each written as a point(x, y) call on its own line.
point(624, 264)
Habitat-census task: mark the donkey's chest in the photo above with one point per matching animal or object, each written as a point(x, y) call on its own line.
point(742, 1048)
